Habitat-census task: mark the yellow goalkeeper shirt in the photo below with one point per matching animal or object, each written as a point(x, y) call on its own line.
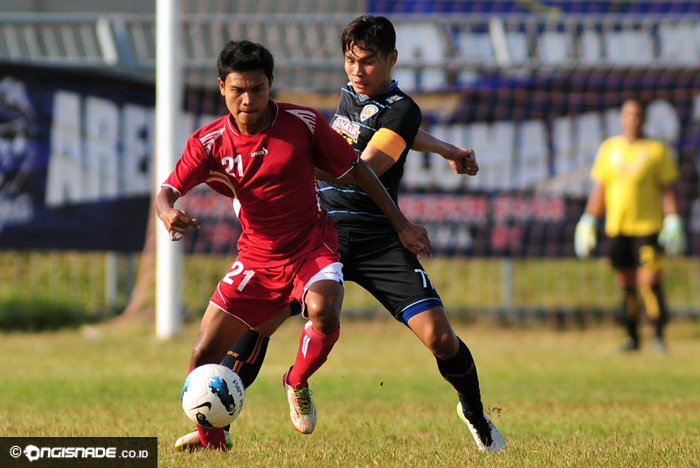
point(634, 175)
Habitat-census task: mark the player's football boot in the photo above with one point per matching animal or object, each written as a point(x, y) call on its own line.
point(486, 436)
point(630, 346)
point(302, 410)
point(660, 345)
point(191, 441)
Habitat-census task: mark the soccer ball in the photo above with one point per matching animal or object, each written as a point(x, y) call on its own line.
point(212, 396)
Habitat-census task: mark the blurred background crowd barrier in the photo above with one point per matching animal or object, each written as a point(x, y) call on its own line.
point(533, 87)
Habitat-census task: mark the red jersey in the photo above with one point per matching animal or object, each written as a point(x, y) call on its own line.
point(272, 175)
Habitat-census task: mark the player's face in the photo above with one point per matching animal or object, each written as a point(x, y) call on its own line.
point(247, 96)
point(632, 119)
point(369, 73)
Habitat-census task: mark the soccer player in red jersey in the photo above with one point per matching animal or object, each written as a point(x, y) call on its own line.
point(264, 153)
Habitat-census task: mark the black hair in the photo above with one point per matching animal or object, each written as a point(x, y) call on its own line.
point(373, 33)
point(241, 56)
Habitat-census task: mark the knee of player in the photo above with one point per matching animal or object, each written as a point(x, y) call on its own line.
point(202, 354)
point(324, 312)
point(442, 343)
point(327, 303)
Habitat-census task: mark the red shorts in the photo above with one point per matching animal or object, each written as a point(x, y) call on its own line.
point(255, 295)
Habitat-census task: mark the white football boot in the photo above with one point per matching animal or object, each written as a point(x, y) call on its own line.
point(486, 436)
point(302, 410)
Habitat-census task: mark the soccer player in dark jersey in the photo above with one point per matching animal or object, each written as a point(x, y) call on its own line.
point(264, 153)
point(381, 122)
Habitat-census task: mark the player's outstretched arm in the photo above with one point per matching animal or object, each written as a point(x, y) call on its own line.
point(176, 222)
point(375, 159)
point(413, 236)
point(462, 160)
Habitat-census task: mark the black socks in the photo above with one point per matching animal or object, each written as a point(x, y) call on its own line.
point(460, 372)
point(246, 356)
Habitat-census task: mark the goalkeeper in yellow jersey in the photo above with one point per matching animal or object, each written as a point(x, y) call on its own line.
point(634, 181)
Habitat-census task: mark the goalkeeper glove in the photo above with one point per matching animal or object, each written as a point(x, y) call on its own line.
point(585, 235)
point(672, 236)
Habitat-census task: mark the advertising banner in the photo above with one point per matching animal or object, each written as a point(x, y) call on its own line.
point(77, 154)
point(536, 138)
point(591, 7)
point(75, 160)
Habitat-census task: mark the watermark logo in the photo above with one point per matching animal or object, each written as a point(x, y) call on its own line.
point(16, 451)
point(83, 451)
point(32, 452)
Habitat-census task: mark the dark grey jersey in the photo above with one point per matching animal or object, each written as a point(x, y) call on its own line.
point(358, 119)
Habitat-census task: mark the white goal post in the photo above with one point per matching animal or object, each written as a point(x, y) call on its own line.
point(168, 109)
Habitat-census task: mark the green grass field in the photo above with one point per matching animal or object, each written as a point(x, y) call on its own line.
point(560, 398)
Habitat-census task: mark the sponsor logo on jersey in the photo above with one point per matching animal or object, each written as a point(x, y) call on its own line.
point(368, 111)
point(345, 127)
point(262, 152)
point(394, 98)
point(629, 167)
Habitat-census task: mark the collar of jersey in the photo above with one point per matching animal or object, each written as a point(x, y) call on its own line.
point(394, 84)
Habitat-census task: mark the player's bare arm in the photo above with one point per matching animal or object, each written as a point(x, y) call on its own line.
point(670, 205)
point(377, 160)
point(596, 201)
point(462, 160)
point(176, 222)
point(412, 236)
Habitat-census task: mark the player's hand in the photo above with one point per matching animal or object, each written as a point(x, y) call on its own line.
point(177, 223)
point(415, 238)
point(672, 236)
point(585, 236)
point(463, 161)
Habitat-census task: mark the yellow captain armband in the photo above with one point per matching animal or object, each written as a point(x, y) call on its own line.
point(389, 142)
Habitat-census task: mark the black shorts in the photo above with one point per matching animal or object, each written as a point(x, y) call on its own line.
point(628, 252)
point(377, 261)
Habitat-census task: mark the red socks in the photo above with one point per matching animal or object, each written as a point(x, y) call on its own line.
point(314, 348)
point(212, 438)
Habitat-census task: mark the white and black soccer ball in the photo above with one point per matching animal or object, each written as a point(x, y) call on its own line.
point(212, 396)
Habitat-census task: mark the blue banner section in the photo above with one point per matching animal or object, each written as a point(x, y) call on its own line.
point(533, 6)
point(76, 156)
